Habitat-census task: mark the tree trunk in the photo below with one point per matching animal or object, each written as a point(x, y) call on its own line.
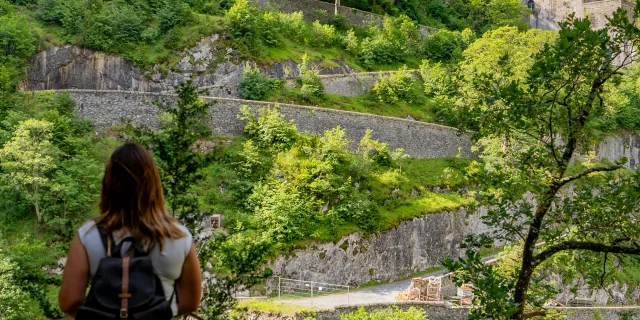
point(528, 260)
point(38, 214)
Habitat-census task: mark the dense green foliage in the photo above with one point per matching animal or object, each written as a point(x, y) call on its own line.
point(144, 31)
point(175, 147)
point(50, 168)
point(311, 87)
point(15, 302)
point(18, 41)
point(396, 41)
point(254, 85)
point(479, 15)
point(530, 125)
point(622, 100)
point(397, 86)
point(295, 187)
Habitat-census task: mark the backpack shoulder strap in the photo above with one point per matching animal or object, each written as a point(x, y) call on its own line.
point(107, 241)
point(134, 249)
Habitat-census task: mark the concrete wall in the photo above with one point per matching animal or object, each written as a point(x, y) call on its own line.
point(419, 139)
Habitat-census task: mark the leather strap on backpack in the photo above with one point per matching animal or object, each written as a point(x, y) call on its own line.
point(125, 295)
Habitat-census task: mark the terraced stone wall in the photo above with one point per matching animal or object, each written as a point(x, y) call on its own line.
point(419, 139)
point(354, 84)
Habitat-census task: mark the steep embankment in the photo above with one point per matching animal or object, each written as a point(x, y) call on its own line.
point(413, 246)
point(211, 67)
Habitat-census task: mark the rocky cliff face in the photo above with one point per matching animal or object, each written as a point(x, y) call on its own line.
point(615, 293)
point(208, 65)
point(413, 246)
point(625, 145)
point(78, 68)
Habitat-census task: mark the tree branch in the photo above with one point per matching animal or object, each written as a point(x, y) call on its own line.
point(574, 177)
point(584, 245)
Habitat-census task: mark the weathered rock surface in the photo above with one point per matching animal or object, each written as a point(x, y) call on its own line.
point(207, 64)
point(413, 246)
point(625, 145)
point(616, 293)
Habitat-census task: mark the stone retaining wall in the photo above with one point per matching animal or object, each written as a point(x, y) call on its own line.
point(419, 139)
point(355, 84)
point(414, 246)
point(440, 312)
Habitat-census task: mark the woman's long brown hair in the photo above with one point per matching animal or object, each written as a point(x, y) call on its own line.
point(132, 198)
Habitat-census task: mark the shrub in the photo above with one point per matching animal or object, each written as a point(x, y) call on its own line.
point(72, 15)
point(24, 2)
point(212, 7)
point(310, 84)
point(269, 129)
point(339, 21)
point(6, 8)
point(173, 39)
point(396, 41)
point(254, 85)
point(173, 13)
point(398, 86)
point(50, 11)
point(112, 28)
point(244, 22)
point(377, 50)
point(17, 40)
point(323, 34)
point(393, 313)
point(357, 208)
point(150, 34)
point(436, 78)
point(402, 32)
point(444, 45)
point(271, 27)
point(15, 303)
point(293, 25)
point(351, 42)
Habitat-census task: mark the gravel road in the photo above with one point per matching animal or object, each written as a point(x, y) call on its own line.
point(378, 294)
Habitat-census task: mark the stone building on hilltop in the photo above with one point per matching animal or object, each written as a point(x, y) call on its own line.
point(547, 13)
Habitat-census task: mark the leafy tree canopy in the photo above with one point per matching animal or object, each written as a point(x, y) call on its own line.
point(529, 130)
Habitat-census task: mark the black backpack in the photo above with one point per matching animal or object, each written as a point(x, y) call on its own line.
point(125, 287)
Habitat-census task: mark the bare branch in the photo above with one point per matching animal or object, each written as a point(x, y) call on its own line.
point(574, 177)
point(584, 245)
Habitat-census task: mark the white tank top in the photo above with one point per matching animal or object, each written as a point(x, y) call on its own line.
point(168, 263)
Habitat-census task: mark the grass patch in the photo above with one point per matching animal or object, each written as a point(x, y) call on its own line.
point(419, 206)
point(272, 306)
point(428, 271)
point(401, 194)
point(422, 109)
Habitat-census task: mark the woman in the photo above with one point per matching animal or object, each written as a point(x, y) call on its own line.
point(132, 205)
